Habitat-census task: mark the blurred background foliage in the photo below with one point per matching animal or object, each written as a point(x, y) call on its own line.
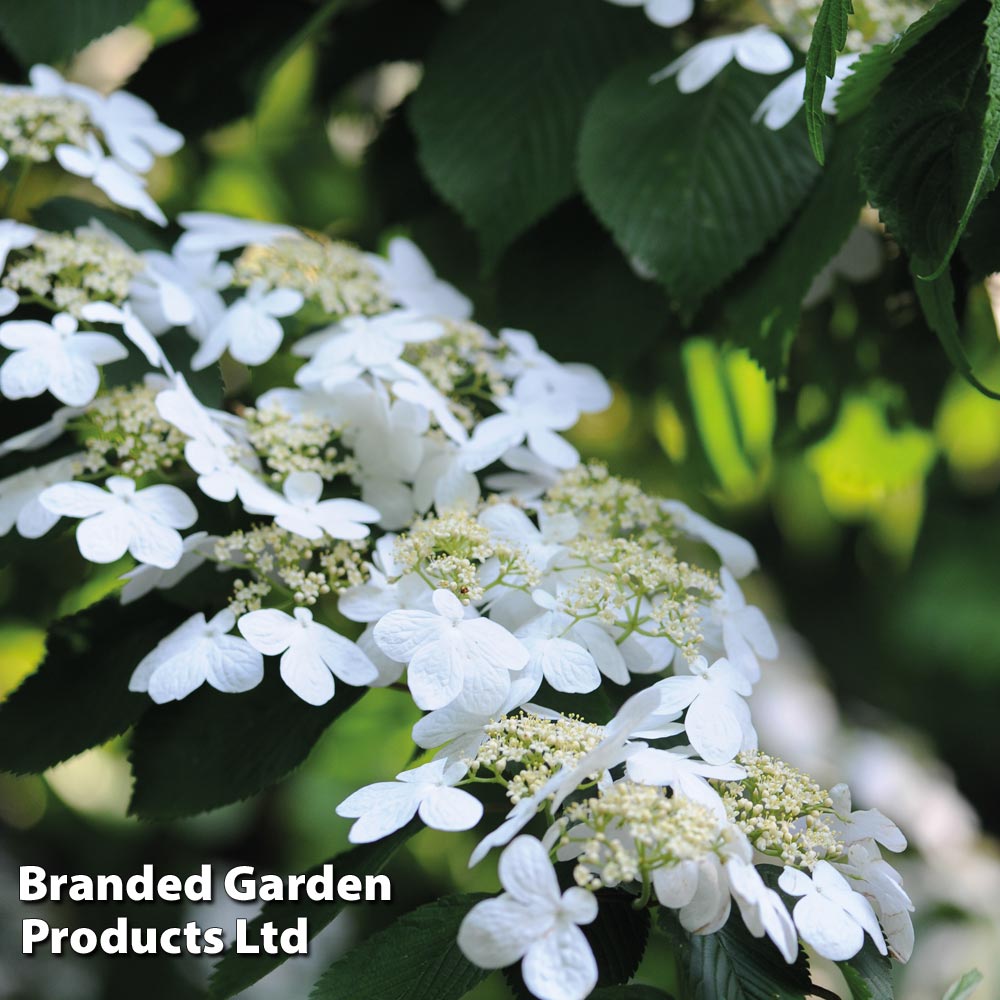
point(868, 476)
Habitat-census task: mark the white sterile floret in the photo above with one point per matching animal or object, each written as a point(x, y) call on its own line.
point(565, 664)
point(196, 652)
point(38, 437)
point(666, 13)
point(57, 357)
point(540, 544)
point(530, 477)
point(386, 589)
point(198, 546)
point(387, 806)
point(675, 769)
point(830, 916)
point(533, 922)
point(762, 909)
point(249, 328)
point(133, 328)
point(19, 503)
point(118, 182)
point(736, 553)
point(448, 654)
point(123, 519)
point(14, 236)
point(132, 131)
point(758, 49)
point(302, 512)
point(744, 631)
point(862, 824)
point(782, 104)
point(409, 278)
point(180, 289)
point(358, 344)
point(717, 721)
point(214, 232)
point(311, 653)
point(531, 414)
point(9, 301)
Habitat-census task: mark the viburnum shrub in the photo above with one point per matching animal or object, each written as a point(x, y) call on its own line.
point(401, 509)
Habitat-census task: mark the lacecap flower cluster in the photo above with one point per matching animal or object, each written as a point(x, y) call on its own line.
point(408, 512)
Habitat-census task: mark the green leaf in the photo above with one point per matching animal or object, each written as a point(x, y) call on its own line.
point(63, 214)
point(496, 125)
point(636, 991)
point(415, 958)
point(733, 964)
point(937, 300)
point(868, 974)
point(762, 311)
point(234, 973)
point(692, 211)
point(964, 987)
point(828, 38)
point(873, 67)
point(929, 138)
point(212, 749)
point(52, 30)
point(79, 696)
point(617, 937)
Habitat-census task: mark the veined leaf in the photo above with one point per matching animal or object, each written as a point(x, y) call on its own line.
point(234, 973)
point(692, 211)
point(497, 124)
point(415, 958)
point(828, 38)
point(212, 749)
point(868, 974)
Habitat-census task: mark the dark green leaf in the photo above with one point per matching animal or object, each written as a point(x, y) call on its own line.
point(79, 696)
point(873, 67)
point(617, 937)
point(930, 135)
point(496, 124)
point(868, 974)
point(415, 958)
point(733, 964)
point(212, 749)
point(234, 973)
point(636, 991)
point(964, 987)
point(692, 211)
point(828, 38)
point(762, 311)
point(64, 214)
point(937, 300)
point(52, 30)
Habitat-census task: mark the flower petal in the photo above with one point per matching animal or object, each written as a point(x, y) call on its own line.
point(560, 965)
point(450, 809)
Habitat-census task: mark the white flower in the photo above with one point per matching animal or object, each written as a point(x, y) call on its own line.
point(410, 280)
point(758, 49)
point(831, 917)
point(249, 328)
point(875, 878)
point(762, 909)
point(358, 344)
point(123, 519)
point(195, 652)
point(145, 578)
point(533, 922)
point(529, 480)
point(541, 544)
point(782, 104)
point(863, 824)
point(212, 232)
point(43, 434)
point(55, 357)
point(530, 414)
point(387, 806)
point(116, 181)
point(717, 720)
point(19, 504)
point(14, 236)
point(9, 301)
point(443, 479)
point(386, 590)
point(448, 654)
point(311, 653)
point(736, 553)
point(565, 664)
point(675, 769)
point(132, 131)
point(581, 385)
point(132, 327)
point(745, 632)
point(301, 511)
point(180, 289)
point(666, 13)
